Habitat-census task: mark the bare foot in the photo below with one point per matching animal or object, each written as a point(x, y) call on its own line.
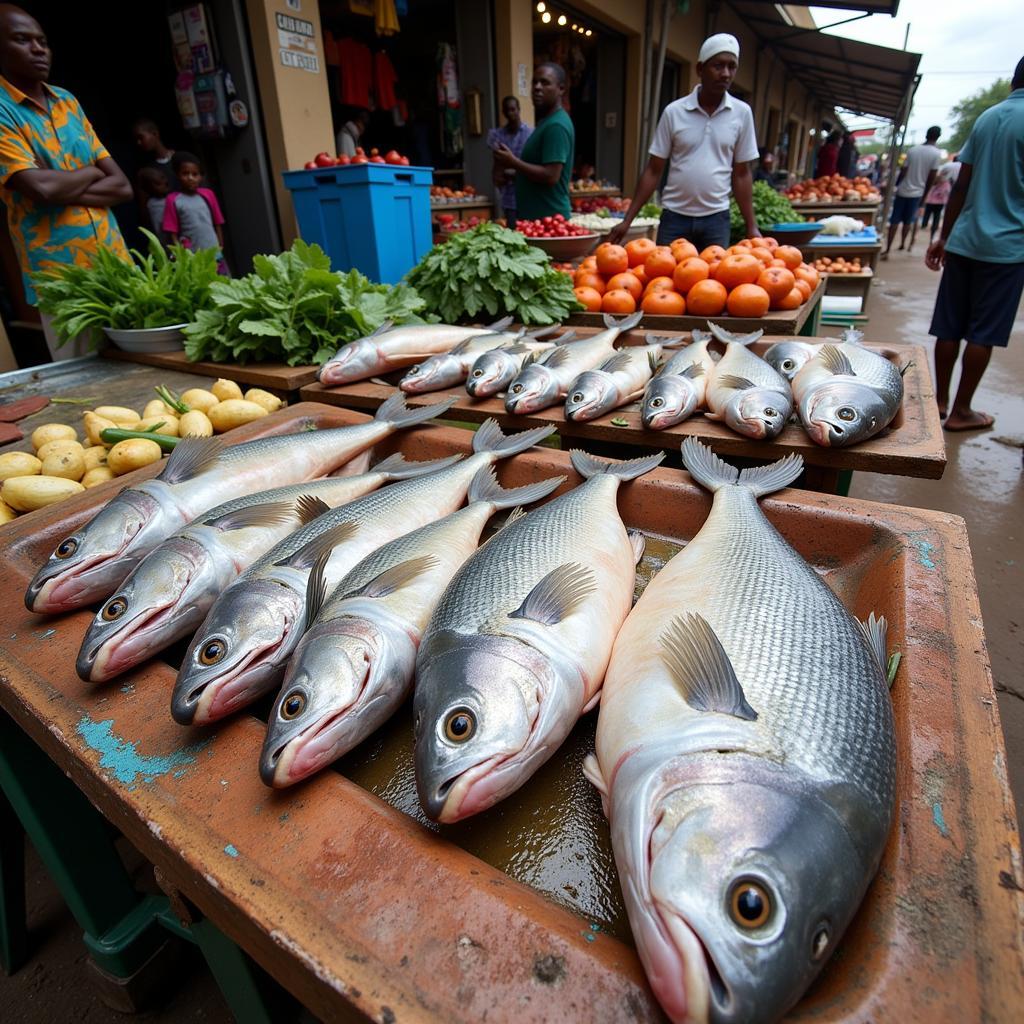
point(970, 420)
point(943, 409)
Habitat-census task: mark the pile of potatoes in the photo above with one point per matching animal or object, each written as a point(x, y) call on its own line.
point(64, 465)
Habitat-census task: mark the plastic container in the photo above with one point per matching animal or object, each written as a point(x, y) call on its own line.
point(794, 234)
point(148, 339)
point(374, 217)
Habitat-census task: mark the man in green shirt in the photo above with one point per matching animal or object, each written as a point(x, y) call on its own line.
point(544, 170)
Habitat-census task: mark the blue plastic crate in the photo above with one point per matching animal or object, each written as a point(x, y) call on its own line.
point(374, 217)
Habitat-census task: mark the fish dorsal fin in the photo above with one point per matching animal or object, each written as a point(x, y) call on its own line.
point(559, 355)
point(533, 356)
point(652, 360)
point(316, 588)
point(307, 555)
point(835, 361)
point(463, 346)
point(731, 380)
point(396, 577)
point(557, 595)
point(191, 456)
point(500, 325)
point(514, 516)
point(308, 507)
point(701, 669)
point(385, 326)
point(693, 370)
point(875, 632)
point(270, 513)
point(619, 361)
point(638, 542)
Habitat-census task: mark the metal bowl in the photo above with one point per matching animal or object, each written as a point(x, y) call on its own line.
point(565, 249)
point(795, 234)
point(148, 339)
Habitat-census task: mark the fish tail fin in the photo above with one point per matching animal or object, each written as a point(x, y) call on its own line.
point(668, 341)
point(876, 632)
point(500, 325)
point(623, 323)
point(588, 466)
point(852, 336)
point(397, 467)
point(724, 336)
point(706, 467)
point(563, 339)
point(542, 332)
point(491, 438)
point(766, 479)
point(485, 487)
point(400, 415)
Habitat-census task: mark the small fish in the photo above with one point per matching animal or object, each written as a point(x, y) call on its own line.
point(619, 380)
point(546, 380)
point(744, 391)
point(354, 666)
point(679, 388)
point(789, 356)
point(390, 348)
point(495, 370)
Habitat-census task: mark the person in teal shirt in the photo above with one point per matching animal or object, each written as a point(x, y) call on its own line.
point(981, 251)
point(545, 167)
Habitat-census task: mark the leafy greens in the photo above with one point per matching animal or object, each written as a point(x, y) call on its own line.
point(770, 207)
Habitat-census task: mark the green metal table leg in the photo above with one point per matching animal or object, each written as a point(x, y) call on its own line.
point(13, 921)
point(812, 325)
point(844, 482)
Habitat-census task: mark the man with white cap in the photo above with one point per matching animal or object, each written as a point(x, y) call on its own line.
point(708, 140)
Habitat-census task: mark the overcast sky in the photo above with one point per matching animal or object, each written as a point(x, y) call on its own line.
point(964, 47)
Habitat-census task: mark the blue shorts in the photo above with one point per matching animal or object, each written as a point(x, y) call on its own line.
point(701, 231)
point(904, 209)
point(977, 300)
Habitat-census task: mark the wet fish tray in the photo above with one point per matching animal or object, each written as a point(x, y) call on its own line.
point(349, 900)
point(913, 445)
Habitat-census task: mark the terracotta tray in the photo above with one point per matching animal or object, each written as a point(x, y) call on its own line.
point(354, 905)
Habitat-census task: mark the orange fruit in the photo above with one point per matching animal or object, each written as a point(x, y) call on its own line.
point(763, 254)
point(794, 300)
point(659, 284)
point(682, 249)
point(713, 267)
point(791, 254)
point(706, 298)
point(588, 263)
point(770, 243)
point(639, 273)
point(743, 243)
point(618, 300)
point(589, 298)
point(712, 254)
point(808, 274)
point(804, 288)
point(664, 302)
point(660, 263)
point(740, 268)
point(590, 279)
point(638, 250)
point(748, 300)
point(688, 273)
point(611, 259)
point(630, 282)
point(778, 282)
point(777, 263)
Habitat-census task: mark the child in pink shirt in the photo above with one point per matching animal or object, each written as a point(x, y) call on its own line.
point(192, 216)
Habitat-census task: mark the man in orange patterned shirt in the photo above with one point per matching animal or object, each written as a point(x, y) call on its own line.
point(58, 181)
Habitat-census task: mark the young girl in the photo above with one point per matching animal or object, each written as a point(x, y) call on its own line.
point(192, 216)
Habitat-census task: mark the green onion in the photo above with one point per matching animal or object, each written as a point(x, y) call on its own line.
point(169, 398)
point(114, 434)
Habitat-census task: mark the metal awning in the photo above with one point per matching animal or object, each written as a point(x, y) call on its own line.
point(869, 6)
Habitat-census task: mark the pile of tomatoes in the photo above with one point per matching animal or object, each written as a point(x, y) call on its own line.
point(746, 280)
point(392, 156)
point(550, 227)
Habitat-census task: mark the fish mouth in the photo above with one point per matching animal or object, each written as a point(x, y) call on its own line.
point(484, 387)
point(662, 419)
point(584, 412)
point(679, 967)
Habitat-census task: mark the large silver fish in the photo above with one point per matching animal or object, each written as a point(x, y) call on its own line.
point(495, 370)
point(744, 391)
point(747, 761)
point(167, 595)
point(200, 473)
point(545, 381)
point(240, 651)
point(847, 393)
point(354, 666)
point(516, 649)
point(789, 356)
point(390, 348)
point(617, 381)
point(678, 389)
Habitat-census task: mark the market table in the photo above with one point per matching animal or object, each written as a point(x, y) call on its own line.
point(358, 908)
point(858, 285)
point(864, 244)
point(864, 212)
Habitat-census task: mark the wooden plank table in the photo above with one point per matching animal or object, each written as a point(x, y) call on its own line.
point(864, 212)
point(360, 910)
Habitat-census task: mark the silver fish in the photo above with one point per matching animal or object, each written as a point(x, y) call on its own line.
point(747, 761)
point(167, 595)
point(847, 393)
point(354, 666)
point(390, 348)
point(495, 370)
point(516, 649)
point(200, 473)
point(679, 388)
point(789, 356)
point(745, 392)
point(545, 381)
point(619, 380)
point(248, 635)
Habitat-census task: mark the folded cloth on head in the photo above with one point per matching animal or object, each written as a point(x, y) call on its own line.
point(721, 43)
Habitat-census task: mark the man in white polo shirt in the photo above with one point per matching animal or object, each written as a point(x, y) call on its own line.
point(708, 140)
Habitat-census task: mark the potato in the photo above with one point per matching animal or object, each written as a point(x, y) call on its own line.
point(269, 402)
point(6, 513)
point(233, 413)
point(19, 464)
point(156, 408)
point(195, 424)
point(95, 456)
point(93, 425)
point(27, 493)
point(55, 432)
point(97, 475)
point(201, 399)
point(170, 424)
point(134, 454)
point(56, 447)
point(67, 465)
point(225, 390)
point(119, 414)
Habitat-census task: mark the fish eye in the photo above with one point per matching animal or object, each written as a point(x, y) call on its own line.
point(657, 403)
point(293, 705)
point(819, 944)
point(577, 396)
point(414, 368)
point(478, 373)
point(788, 364)
point(750, 905)
point(459, 725)
point(770, 412)
point(516, 388)
point(66, 548)
point(846, 413)
point(114, 609)
point(212, 651)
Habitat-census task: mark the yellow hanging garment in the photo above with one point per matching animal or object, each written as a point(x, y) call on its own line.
point(385, 17)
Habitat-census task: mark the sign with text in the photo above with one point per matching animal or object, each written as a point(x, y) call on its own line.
point(296, 39)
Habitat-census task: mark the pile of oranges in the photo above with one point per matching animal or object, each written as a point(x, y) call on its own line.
point(745, 280)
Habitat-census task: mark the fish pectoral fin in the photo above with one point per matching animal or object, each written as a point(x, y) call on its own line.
point(701, 668)
point(592, 773)
point(191, 456)
point(875, 631)
point(619, 361)
point(559, 355)
point(693, 371)
point(396, 577)
point(309, 507)
point(835, 362)
point(306, 557)
point(462, 346)
point(557, 595)
point(638, 542)
point(316, 591)
point(270, 513)
point(731, 380)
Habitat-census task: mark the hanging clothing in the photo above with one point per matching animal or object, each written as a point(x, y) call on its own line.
point(331, 49)
point(385, 18)
point(448, 99)
point(384, 79)
point(356, 78)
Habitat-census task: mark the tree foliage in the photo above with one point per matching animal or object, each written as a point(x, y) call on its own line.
point(969, 109)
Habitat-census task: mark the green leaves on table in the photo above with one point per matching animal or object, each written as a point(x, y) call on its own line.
point(488, 272)
point(770, 207)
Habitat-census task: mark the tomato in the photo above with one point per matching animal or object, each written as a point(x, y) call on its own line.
point(392, 156)
point(360, 151)
point(312, 165)
point(376, 160)
point(342, 160)
point(323, 160)
point(404, 161)
point(359, 159)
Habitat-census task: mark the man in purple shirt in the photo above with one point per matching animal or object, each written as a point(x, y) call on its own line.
point(514, 135)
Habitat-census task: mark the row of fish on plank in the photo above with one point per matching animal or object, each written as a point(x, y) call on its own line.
point(745, 752)
point(842, 393)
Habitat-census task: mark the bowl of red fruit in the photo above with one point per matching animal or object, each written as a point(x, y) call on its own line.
point(557, 237)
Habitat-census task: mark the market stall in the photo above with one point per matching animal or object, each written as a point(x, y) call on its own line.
point(866, 213)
